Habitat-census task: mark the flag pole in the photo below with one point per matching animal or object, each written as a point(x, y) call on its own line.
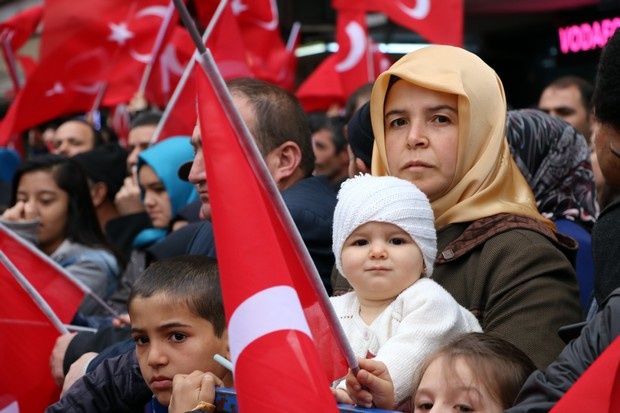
point(188, 70)
point(258, 164)
point(9, 58)
point(33, 293)
point(159, 40)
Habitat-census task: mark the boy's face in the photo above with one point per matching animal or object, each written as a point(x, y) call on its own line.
point(171, 339)
point(380, 260)
point(453, 387)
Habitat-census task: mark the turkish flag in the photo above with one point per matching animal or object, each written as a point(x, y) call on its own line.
point(326, 86)
point(353, 58)
point(20, 27)
point(59, 289)
point(268, 279)
point(598, 388)
point(438, 21)
point(104, 40)
point(28, 336)
point(170, 66)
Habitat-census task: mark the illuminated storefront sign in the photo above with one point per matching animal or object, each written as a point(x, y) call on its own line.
point(587, 36)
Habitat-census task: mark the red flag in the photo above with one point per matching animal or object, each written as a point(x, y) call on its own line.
point(20, 27)
point(353, 58)
point(28, 336)
point(115, 37)
point(438, 21)
point(598, 388)
point(326, 87)
point(268, 279)
point(61, 292)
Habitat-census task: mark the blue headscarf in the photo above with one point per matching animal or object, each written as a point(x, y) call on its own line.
point(164, 158)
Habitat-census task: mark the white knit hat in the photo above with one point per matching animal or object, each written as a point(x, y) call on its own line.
point(367, 198)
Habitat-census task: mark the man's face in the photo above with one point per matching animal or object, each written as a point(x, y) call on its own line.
point(73, 137)
point(138, 140)
point(566, 104)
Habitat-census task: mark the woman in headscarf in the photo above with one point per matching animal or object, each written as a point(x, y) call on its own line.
point(438, 117)
point(555, 160)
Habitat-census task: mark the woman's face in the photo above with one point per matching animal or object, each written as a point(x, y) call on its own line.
point(421, 136)
point(51, 205)
point(156, 199)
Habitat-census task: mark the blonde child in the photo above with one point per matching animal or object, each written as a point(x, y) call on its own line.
point(384, 242)
point(476, 372)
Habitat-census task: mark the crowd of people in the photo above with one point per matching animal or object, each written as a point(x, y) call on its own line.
point(456, 239)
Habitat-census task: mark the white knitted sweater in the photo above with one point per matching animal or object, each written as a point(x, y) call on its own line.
point(421, 319)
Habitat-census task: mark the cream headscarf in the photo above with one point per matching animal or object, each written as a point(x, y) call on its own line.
point(486, 181)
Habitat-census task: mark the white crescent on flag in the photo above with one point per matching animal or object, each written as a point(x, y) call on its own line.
point(278, 309)
point(157, 11)
point(419, 12)
point(358, 42)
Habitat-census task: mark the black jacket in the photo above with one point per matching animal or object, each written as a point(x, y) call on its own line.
point(544, 388)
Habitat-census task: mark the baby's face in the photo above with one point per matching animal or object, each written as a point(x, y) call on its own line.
point(171, 339)
point(452, 387)
point(380, 260)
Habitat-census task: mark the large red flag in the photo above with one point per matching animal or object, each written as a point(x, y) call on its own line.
point(28, 336)
point(598, 388)
point(268, 279)
point(438, 21)
point(62, 292)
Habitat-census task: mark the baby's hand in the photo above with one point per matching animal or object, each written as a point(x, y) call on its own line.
point(372, 386)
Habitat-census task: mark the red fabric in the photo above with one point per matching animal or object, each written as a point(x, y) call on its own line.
point(111, 38)
point(169, 67)
point(56, 287)
point(353, 58)
point(438, 21)
point(27, 341)
point(598, 388)
point(324, 87)
point(279, 368)
point(22, 26)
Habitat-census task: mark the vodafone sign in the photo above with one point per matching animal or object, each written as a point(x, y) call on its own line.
point(587, 36)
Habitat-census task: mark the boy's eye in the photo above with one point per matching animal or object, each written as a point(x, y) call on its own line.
point(140, 340)
point(177, 337)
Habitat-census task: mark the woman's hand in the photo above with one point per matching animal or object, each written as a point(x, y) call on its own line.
point(20, 212)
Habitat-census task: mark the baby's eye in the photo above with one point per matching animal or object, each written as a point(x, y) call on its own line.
point(398, 241)
point(360, 242)
point(140, 340)
point(178, 337)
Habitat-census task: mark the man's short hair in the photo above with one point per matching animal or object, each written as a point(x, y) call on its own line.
point(279, 118)
point(146, 118)
point(586, 88)
point(606, 99)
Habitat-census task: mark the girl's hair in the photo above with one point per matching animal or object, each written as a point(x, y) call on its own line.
point(83, 225)
point(500, 366)
point(189, 279)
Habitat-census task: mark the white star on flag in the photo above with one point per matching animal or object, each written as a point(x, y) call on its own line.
point(120, 34)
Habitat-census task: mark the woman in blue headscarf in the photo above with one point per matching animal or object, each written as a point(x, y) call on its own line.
point(163, 195)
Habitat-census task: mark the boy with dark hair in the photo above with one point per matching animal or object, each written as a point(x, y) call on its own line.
point(178, 325)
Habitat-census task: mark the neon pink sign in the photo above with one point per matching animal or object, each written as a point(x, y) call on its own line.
point(587, 36)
